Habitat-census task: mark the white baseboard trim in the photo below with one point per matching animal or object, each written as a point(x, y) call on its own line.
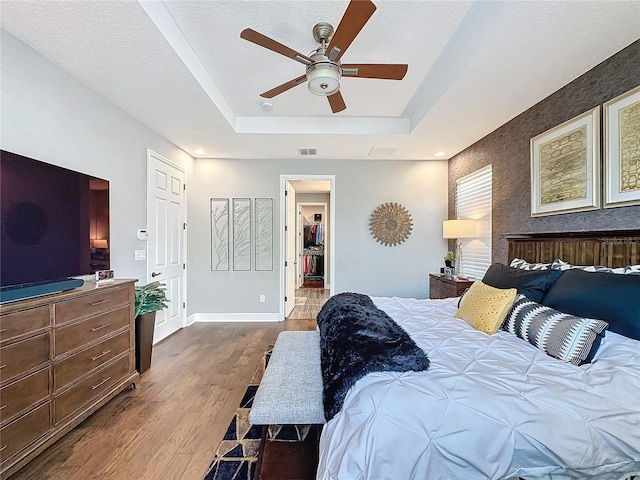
point(233, 317)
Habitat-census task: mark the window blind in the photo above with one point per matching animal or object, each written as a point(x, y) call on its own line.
point(473, 200)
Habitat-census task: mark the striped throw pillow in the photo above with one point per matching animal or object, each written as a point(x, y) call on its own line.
point(560, 335)
point(628, 270)
point(524, 265)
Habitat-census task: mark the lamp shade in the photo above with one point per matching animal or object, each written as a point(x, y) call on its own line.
point(323, 78)
point(459, 228)
point(100, 243)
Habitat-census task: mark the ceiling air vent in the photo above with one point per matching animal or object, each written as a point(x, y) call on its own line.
point(305, 152)
point(382, 152)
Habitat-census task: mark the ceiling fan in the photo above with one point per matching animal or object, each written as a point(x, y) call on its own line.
point(324, 70)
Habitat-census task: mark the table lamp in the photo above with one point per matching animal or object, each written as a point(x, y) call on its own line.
point(458, 229)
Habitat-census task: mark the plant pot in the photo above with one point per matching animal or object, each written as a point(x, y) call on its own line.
point(447, 263)
point(145, 326)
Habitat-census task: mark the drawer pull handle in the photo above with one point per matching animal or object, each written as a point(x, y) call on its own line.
point(3, 448)
point(3, 407)
point(100, 302)
point(93, 359)
point(3, 330)
point(95, 329)
point(103, 381)
point(2, 366)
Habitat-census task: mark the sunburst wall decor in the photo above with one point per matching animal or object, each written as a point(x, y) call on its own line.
point(390, 224)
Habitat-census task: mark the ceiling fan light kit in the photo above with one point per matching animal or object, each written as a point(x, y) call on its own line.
point(323, 78)
point(324, 72)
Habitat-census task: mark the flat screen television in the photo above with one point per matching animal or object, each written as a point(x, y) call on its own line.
point(54, 226)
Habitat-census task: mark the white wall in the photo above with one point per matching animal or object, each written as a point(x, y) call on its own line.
point(362, 264)
point(50, 116)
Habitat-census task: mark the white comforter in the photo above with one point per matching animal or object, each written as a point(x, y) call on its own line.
point(488, 407)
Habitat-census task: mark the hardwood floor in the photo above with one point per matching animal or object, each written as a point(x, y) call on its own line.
point(171, 425)
point(309, 301)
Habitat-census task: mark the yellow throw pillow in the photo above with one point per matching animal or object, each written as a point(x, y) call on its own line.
point(485, 307)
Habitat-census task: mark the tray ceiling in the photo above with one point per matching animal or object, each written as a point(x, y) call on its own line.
point(181, 68)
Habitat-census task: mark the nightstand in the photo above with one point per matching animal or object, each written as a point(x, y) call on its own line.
point(442, 286)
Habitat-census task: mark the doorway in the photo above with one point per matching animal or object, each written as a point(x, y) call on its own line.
point(309, 190)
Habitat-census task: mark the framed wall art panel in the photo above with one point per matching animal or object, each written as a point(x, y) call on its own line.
point(219, 234)
point(242, 234)
point(565, 167)
point(264, 233)
point(622, 150)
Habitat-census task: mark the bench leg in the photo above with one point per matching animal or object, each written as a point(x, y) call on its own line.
point(263, 440)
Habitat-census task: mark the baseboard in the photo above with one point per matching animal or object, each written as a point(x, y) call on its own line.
point(233, 317)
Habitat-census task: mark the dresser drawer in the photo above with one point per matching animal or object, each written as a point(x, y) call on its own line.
point(26, 392)
point(83, 362)
point(91, 304)
point(20, 357)
point(24, 322)
point(73, 336)
point(25, 430)
point(90, 389)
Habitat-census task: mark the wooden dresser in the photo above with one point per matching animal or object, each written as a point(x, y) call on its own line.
point(62, 357)
point(442, 286)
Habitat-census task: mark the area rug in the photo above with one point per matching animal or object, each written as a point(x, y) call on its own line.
point(238, 453)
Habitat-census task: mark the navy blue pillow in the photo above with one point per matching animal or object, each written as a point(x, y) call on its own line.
point(534, 284)
point(603, 296)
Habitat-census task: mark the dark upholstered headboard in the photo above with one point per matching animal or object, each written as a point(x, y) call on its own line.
point(610, 249)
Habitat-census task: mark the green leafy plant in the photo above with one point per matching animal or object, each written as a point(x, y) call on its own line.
point(150, 297)
point(449, 256)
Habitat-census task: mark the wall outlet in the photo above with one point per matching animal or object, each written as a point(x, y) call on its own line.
point(140, 255)
point(263, 298)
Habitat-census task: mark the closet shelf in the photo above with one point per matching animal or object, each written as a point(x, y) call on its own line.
point(311, 251)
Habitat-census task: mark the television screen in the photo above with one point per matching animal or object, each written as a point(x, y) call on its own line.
point(54, 222)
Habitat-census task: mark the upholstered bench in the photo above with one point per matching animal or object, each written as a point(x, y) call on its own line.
point(290, 391)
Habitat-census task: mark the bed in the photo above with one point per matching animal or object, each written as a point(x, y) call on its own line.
point(497, 406)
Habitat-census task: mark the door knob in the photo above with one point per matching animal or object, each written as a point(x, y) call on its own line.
point(154, 274)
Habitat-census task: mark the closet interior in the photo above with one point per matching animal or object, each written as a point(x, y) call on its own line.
point(313, 252)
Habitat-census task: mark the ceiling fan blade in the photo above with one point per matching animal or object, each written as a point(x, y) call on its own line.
point(284, 87)
point(385, 71)
point(269, 43)
point(355, 17)
point(337, 102)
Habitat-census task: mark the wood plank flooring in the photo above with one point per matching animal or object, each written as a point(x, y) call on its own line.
point(170, 426)
point(309, 301)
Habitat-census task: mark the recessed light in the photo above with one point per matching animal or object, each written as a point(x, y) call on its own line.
point(199, 152)
point(439, 154)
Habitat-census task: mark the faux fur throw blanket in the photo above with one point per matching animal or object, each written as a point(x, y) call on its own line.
point(357, 338)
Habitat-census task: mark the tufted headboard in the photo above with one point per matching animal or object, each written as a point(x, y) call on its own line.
point(610, 249)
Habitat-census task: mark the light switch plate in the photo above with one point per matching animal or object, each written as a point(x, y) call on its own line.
point(141, 255)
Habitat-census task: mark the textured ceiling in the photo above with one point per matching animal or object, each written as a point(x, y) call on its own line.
point(181, 68)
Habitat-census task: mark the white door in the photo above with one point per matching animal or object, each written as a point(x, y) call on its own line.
point(166, 231)
point(290, 248)
point(299, 248)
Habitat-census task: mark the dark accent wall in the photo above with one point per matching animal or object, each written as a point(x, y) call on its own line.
point(507, 150)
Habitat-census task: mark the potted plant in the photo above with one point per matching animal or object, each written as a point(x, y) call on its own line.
point(149, 299)
point(449, 258)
